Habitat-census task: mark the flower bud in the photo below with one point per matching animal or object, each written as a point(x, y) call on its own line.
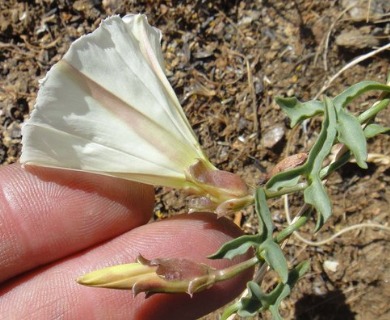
point(153, 276)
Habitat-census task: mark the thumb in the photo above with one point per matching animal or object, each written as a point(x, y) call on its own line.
point(192, 237)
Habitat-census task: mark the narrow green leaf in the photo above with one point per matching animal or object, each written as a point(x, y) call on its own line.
point(269, 250)
point(354, 91)
point(258, 301)
point(285, 179)
point(294, 275)
point(350, 133)
point(324, 143)
point(316, 195)
point(298, 111)
point(298, 272)
point(374, 129)
point(273, 255)
point(237, 246)
point(274, 308)
point(255, 301)
point(263, 213)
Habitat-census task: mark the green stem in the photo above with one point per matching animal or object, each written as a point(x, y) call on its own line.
point(294, 226)
point(228, 273)
point(342, 160)
point(233, 308)
point(373, 111)
point(275, 194)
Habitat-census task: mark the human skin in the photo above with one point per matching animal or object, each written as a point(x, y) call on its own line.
point(56, 225)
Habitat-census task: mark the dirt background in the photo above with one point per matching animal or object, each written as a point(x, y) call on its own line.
point(226, 61)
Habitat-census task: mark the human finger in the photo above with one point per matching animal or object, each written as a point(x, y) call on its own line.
point(56, 294)
point(47, 214)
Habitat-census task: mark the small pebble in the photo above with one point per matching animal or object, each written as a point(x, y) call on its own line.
point(273, 135)
point(330, 265)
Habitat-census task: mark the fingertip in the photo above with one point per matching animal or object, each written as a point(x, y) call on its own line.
point(48, 213)
point(196, 236)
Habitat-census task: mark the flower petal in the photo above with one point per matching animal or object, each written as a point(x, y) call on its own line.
point(108, 108)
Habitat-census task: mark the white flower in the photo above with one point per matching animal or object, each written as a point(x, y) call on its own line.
point(108, 108)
